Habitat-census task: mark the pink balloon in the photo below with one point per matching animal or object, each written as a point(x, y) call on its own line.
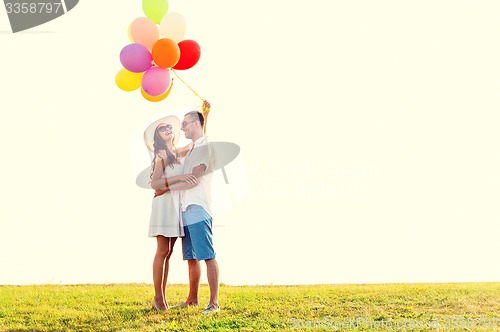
point(136, 58)
point(144, 31)
point(156, 81)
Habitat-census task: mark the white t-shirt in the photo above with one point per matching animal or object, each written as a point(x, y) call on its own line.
point(201, 153)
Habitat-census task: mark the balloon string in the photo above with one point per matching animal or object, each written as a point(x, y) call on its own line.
point(187, 85)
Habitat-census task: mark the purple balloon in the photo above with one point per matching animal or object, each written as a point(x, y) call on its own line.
point(136, 58)
point(156, 81)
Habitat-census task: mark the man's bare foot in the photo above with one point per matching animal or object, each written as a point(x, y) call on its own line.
point(187, 304)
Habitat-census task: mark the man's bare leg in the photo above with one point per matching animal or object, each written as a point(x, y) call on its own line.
point(194, 281)
point(213, 280)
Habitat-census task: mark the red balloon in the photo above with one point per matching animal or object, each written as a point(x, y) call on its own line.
point(190, 54)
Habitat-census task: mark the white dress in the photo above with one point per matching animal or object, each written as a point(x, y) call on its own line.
point(166, 216)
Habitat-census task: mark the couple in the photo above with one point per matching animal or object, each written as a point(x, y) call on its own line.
point(181, 207)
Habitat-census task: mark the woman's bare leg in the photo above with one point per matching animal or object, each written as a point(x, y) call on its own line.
point(162, 249)
point(165, 271)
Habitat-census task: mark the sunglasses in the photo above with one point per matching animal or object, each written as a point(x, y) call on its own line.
point(164, 128)
point(185, 123)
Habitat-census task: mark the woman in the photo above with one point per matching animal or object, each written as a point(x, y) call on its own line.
point(165, 223)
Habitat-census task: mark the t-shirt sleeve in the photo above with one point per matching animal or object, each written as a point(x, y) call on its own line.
point(200, 155)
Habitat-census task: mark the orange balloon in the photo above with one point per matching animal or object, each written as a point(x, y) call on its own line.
point(166, 53)
point(160, 97)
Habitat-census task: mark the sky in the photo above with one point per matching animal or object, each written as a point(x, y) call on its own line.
point(368, 133)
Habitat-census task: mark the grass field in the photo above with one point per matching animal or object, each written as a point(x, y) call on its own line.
point(126, 307)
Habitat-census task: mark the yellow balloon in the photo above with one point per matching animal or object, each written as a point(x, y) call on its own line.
point(127, 80)
point(155, 9)
point(160, 97)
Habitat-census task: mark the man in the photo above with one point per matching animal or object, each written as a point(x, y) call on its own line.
point(197, 243)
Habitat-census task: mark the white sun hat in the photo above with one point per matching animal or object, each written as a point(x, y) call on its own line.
point(150, 130)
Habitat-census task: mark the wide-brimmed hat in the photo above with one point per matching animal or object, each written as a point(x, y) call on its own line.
point(150, 130)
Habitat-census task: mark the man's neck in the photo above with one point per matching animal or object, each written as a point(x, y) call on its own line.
point(196, 137)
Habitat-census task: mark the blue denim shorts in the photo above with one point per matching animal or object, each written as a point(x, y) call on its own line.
point(197, 241)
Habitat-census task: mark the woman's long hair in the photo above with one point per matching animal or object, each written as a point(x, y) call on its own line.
point(159, 144)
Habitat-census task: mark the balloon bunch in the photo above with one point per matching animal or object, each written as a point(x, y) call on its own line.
point(157, 48)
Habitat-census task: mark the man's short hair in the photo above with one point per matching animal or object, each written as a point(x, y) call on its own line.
point(195, 115)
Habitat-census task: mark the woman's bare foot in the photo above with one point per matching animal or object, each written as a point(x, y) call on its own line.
point(159, 305)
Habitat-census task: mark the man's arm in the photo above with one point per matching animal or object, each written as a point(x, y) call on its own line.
point(199, 170)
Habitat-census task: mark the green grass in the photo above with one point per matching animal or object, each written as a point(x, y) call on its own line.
point(126, 307)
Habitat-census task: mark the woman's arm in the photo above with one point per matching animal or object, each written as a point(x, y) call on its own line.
point(182, 185)
point(181, 152)
point(158, 170)
point(170, 182)
point(157, 180)
point(183, 182)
